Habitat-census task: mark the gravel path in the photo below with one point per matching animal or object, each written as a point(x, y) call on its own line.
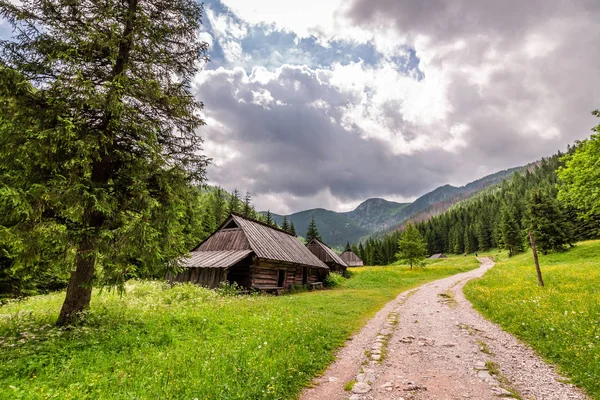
point(430, 343)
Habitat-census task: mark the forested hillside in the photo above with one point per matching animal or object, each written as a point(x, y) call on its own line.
point(555, 199)
point(375, 217)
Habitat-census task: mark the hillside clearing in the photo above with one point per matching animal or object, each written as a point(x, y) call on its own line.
point(560, 321)
point(188, 342)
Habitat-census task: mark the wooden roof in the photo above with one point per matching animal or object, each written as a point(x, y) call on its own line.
point(438, 255)
point(216, 259)
point(245, 235)
point(324, 252)
point(276, 244)
point(351, 259)
point(226, 239)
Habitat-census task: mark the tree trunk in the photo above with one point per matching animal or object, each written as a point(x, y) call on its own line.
point(535, 258)
point(79, 290)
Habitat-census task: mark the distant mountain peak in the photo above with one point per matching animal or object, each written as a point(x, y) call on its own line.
point(378, 215)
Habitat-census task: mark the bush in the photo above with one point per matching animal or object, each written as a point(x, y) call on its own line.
point(333, 279)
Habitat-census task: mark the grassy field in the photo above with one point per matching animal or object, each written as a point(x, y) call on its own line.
point(562, 320)
point(187, 342)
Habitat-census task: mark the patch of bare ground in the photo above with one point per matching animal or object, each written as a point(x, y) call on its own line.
point(430, 343)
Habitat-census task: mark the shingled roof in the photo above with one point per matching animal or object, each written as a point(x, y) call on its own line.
point(351, 259)
point(324, 252)
point(239, 236)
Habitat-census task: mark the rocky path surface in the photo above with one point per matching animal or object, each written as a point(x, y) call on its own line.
point(429, 343)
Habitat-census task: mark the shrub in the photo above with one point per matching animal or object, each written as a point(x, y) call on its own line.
point(333, 279)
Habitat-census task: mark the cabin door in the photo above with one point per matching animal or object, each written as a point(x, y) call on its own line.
point(305, 275)
point(281, 278)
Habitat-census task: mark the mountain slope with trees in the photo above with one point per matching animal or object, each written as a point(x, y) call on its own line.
point(556, 199)
point(376, 216)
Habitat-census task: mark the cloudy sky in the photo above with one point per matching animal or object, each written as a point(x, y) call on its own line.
point(325, 103)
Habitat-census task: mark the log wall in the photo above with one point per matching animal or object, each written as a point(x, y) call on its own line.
point(208, 277)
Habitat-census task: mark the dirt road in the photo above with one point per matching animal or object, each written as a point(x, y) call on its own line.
point(430, 343)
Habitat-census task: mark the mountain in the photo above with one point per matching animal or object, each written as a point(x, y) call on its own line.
point(376, 216)
point(335, 228)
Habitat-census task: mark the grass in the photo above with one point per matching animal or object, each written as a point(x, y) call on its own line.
point(187, 342)
point(560, 321)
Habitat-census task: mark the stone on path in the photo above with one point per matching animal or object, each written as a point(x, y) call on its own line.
point(361, 388)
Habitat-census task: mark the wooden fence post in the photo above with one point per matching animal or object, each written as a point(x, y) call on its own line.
point(535, 258)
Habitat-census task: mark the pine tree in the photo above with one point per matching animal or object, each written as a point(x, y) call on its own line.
point(247, 209)
point(234, 202)
point(411, 246)
point(292, 229)
point(284, 224)
point(347, 248)
point(511, 234)
point(548, 222)
point(269, 218)
point(100, 131)
point(361, 251)
point(312, 231)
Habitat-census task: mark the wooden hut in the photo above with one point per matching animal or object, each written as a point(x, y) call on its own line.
point(437, 255)
point(254, 255)
point(328, 256)
point(351, 259)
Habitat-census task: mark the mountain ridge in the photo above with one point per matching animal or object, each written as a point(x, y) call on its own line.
point(375, 216)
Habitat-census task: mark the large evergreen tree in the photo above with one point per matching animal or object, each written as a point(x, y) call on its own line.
point(292, 229)
point(412, 249)
point(512, 237)
point(99, 133)
point(547, 220)
point(312, 232)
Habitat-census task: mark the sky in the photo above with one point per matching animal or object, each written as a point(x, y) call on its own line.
point(325, 103)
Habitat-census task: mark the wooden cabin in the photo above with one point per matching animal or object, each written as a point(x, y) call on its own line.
point(255, 256)
point(437, 255)
point(351, 259)
point(328, 256)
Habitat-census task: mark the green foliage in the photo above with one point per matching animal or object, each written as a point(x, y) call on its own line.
point(292, 229)
point(511, 234)
point(560, 320)
point(234, 204)
point(312, 232)
point(580, 179)
point(99, 135)
point(185, 341)
point(412, 249)
point(285, 225)
point(547, 220)
point(334, 279)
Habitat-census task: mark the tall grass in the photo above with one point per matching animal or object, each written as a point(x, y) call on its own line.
point(562, 320)
point(187, 342)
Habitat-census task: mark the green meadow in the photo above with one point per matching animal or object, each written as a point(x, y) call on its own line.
point(561, 321)
point(187, 342)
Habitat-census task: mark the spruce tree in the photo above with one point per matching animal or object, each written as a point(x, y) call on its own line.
point(312, 231)
point(547, 220)
point(285, 225)
point(100, 131)
point(269, 218)
point(511, 234)
point(234, 202)
point(292, 229)
point(411, 246)
point(247, 208)
point(361, 251)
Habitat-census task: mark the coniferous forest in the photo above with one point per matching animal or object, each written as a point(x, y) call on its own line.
point(553, 199)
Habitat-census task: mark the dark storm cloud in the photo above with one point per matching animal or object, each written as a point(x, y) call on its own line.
point(299, 148)
point(541, 58)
